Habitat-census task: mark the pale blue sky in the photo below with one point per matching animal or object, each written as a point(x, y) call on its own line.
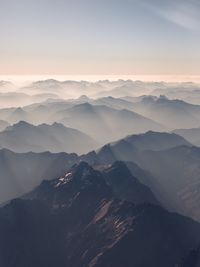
point(99, 37)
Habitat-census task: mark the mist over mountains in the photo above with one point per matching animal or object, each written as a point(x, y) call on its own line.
point(53, 89)
point(24, 137)
point(99, 174)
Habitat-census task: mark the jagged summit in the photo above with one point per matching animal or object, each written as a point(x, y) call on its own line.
point(76, 223)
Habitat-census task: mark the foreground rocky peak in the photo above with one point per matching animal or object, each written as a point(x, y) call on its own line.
point(82, 220)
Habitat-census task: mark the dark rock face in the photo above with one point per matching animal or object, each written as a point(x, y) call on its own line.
point(29, 235)
point(76, 221)
point(192, 259)
point(127, 187)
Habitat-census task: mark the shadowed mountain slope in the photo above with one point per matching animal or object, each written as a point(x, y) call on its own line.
point(20, 173)
point(76, 221)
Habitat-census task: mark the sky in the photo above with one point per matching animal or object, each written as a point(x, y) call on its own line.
point(99, 37)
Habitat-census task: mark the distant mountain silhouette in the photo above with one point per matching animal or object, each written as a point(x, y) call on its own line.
point(171, 113)
point(192, 135)
point(24, 137)
point(18, 99)
point(103, 123)
point(126, 149)
point(19, 114)
point(187, 91)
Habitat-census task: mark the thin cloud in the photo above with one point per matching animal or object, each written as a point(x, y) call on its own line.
point(182, 13)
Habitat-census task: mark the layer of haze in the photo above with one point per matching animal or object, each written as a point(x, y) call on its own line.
point(99, 37)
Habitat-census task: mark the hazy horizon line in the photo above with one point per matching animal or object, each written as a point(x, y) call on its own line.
point(20, 78)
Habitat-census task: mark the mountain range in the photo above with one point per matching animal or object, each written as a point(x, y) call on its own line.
point(101, 122)
point(108, 113)
point(75, 220)
point(147, 157)
point(99, 174)
point(172, 162)
point(24, 137)
point(172, 114)
point(105, 124)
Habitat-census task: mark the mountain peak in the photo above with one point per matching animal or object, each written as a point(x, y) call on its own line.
point(84, 98)
point(81, 167)
point(82, 175)
point(126, 186)
point(85, 174)
point(22, 123)
point(19, 126)
point(83, 107)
